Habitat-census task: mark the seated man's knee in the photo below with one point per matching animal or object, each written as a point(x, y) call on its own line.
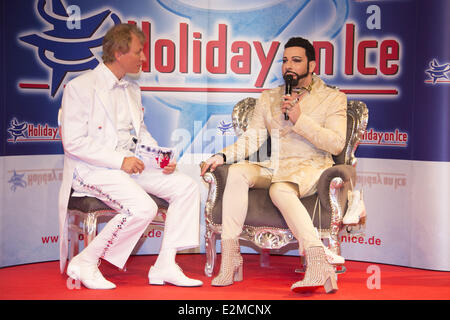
point(278, 191)
point(186, 184)
point(145, 208)
point(238, 172)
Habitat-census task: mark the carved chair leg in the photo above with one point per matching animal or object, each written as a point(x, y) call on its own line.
point(334, 244)
point(211, 254)
point(302, 268)
point(264, 258)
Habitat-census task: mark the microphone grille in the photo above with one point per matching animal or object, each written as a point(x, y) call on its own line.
point(288, 78)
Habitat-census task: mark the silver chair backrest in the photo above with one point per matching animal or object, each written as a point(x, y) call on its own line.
point(242, 114)
point(359, 114)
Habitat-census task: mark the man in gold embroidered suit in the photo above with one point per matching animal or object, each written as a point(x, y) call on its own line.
point(306, 128)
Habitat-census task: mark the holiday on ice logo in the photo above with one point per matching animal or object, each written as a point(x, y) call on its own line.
point(31, 132)
point(67, 45)
point(17, 180)
point(438, 72)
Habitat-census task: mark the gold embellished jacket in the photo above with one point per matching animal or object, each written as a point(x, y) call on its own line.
point(300, 152)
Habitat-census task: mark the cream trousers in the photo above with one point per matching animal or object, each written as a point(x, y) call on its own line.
point(284, 195)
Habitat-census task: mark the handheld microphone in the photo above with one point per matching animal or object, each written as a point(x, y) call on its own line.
point(288, 89)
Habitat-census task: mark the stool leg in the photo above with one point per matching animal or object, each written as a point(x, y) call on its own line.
point(74, 244)
point(89, 228)
point(74, 233)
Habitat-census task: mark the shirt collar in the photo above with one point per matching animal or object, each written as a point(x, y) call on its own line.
point(308, 87)
point(111, 79)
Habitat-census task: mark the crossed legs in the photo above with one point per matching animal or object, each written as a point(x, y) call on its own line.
point(284, 195)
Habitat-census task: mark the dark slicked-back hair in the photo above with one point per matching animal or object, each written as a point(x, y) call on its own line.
point(302, 43)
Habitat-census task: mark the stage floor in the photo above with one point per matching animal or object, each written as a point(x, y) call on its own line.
point(361, 281)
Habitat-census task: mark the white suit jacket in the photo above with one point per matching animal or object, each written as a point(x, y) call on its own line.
point(89, 135)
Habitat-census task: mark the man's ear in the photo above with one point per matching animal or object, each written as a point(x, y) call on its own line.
point(312, 66)
point(117, 55)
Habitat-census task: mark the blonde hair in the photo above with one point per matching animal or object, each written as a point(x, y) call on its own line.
point(118, 38)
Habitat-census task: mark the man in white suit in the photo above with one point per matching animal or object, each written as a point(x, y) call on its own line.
point(101, 122)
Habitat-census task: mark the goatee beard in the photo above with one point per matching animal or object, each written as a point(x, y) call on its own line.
point(298, 77)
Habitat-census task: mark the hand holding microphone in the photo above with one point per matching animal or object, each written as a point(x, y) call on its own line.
point(291, 98)
point(289, 79)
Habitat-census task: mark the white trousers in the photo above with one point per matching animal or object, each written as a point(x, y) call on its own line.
point(136, 209)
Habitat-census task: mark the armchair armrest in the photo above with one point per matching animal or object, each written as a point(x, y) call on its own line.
point(335, 182)
point(216, 180)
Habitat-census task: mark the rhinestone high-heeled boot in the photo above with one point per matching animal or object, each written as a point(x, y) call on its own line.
point(318, 272)
point(231, 264)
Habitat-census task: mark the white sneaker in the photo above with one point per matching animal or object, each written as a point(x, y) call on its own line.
point(356, 208)
point(173, 275)
point(88, 273)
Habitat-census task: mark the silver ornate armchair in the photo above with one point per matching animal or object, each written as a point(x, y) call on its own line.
point(264, 225)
